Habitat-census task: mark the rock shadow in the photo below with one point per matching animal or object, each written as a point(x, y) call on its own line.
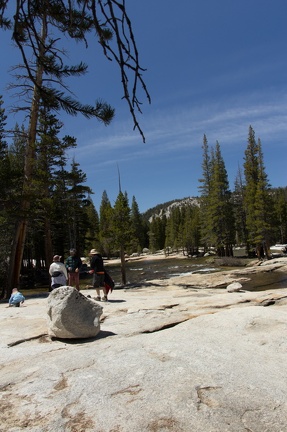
point(80, 341)
point(115, 301)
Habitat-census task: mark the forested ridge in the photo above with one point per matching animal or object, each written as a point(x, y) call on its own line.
point(253, 214)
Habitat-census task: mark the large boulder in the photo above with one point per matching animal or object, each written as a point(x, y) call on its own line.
point(72, 315)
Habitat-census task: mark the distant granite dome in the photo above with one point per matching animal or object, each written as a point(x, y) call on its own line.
point(165, 209)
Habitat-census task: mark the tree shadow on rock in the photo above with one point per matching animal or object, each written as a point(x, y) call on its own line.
point(142, 285)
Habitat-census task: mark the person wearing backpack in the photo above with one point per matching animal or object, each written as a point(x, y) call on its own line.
point(98, 272)
point(58, 273)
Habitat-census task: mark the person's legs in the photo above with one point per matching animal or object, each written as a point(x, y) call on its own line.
point(96, 286)
point(101, 281)
point(74, 280)
point(77, 280)
point(105, 298)
point(98, 282)
point(70, 279)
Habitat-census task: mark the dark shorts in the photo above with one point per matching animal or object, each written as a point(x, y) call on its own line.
point(98, 280)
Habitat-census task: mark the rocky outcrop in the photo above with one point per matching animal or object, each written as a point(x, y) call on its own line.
point(222, 279)
point(168, 357)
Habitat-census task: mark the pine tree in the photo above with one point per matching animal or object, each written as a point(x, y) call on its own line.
point(204, 189)
point(152, 234)
point(36, 26)
point(176, 228)
point(156, 233)
point(138, 242)
point(280, 214)
point(191, 229)
point(3, 142)
point(69, 217)
point(12, 167)
point(76, 195)
point(121, 228)
point(37, 29)
point(50, 157)
point(105, 241)
point(5, 179)
point(241, 234)
point(4, 159)
point(161, 232)
point(220, 211)
point(93, 227)
point(257, 197)
point(216, 213)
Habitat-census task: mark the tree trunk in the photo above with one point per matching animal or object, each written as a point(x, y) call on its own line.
point(15, 262)
point(48, 243)
point(18, 244)
point(123, 265)
point(266, 250)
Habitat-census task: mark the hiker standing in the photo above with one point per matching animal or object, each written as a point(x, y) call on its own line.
point(98, 272)
point(73, 265)
point(58, 273)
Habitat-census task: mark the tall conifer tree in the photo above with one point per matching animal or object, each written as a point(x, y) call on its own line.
point(137, 227)
point(106, 234)
point(220, 211)
point(257, 197)
point(204, 189)
point(122, 230)
point(241, 235)
point(93, 227)
point(280, 209)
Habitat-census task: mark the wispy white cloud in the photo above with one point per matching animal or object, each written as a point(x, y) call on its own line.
point(177, 129)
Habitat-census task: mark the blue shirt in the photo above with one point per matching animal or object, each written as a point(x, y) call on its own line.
point(16, 298)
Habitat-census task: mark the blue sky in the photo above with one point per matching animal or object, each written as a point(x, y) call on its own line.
point(213, 67)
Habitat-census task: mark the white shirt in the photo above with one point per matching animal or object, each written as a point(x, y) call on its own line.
point(58, 266)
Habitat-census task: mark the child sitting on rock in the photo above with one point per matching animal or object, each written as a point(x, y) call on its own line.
point(16, 298)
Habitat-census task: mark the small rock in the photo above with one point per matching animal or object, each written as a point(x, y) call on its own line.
point(234, 287)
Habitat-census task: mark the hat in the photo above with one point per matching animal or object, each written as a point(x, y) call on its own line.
point(94, 252)
point(56, 258)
